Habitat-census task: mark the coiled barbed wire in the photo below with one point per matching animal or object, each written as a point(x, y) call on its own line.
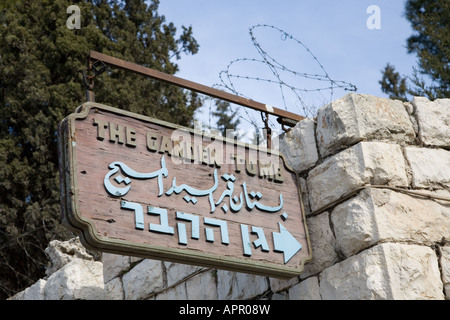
point(278, 70)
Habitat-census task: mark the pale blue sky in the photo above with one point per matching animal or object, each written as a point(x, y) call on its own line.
point(334, 31)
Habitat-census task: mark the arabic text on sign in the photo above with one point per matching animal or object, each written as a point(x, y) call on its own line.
point(283, 241)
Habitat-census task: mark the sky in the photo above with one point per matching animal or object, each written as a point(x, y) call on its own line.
point(335, 32)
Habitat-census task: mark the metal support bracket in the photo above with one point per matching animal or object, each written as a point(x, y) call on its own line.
point(97, 63)
point(93, 69)
point(265, 119)
point(286, 122)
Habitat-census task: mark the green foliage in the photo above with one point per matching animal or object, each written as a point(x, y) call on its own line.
point(41, 83)
point(226, 119)
point(430, 20)
point(393, 84)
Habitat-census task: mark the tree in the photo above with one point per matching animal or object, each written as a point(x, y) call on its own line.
point(40, 84)
point(430, 19)
point(393, 84)
point(226, 119)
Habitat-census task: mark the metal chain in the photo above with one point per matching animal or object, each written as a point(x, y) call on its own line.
point(93, 70)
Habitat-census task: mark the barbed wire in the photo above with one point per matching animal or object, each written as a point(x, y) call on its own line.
point(277, 71)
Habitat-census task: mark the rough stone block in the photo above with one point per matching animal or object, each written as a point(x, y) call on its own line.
point(176, 293)
point(304, 195)
point(279, 296)
point(277, 284)
point(308, 289)
point(430, 167)
point(445, 267)
point(61, 253)
point(114, 265)
point(358, 117)
point(178, 271)
point(203, 286)
point(434, 121)
point(382, 215)
point(114, 289)
point(299, 145)
point(35, 292)
point(374, 163)
point(77, 280)
point(411, 112)
point(322, 245)
point(235, 285)
point(390, 271)
point(143, 280)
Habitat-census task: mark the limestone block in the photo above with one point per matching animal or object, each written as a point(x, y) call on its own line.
point(299, 145)
point(364, 163)
point(358, 117)
point(445, 267)
point(114, 289)
point(390, 271)
point(114, 265)
point(143, 280)
point(411, 112)
point(203, 286)
point(283, 295)
point(305, 290)
point(175, 293)
point(177, 271)
point(354, 224)
point(304, 195)
point(382, 215)
point(61, 253)
point(235, 285)
point(77, 280)
point(17, 296)
point(34, 292)
point(277, 284)
point(434, 121)
point(430, 167)
point(322, 245)
point(413, 272)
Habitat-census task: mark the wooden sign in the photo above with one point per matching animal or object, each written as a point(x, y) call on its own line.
point(134, 185)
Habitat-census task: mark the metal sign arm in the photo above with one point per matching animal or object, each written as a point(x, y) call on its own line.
point(129, 66)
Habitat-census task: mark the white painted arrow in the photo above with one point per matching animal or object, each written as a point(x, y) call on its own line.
point(283, 241)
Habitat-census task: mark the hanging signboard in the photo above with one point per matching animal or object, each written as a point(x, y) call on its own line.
point(134, 185)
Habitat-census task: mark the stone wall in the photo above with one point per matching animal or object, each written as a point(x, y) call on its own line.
point(72, 274)
point(375, 177)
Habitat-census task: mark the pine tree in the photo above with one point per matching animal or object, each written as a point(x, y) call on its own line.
point(41, 83)
point(393, 84)
point(227, 122)
point(430, 20)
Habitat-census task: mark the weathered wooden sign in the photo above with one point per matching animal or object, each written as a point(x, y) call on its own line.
point(134, 185)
